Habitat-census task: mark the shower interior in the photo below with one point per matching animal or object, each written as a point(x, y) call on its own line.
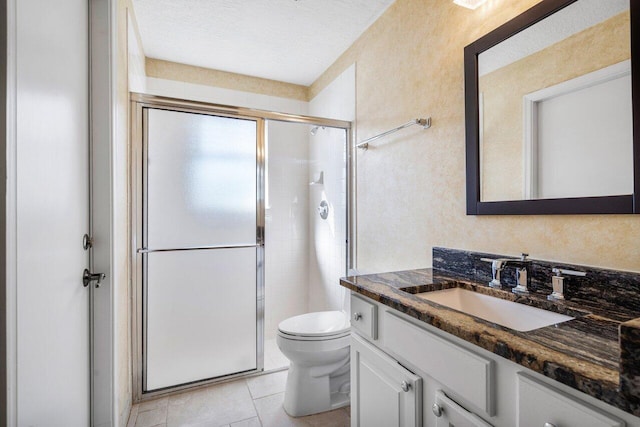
point(306, 226)
point(288, 257)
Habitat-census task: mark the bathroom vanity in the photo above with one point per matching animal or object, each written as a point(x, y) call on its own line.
point(416, 362)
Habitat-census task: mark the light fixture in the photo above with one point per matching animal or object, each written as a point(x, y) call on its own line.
point(469, 4)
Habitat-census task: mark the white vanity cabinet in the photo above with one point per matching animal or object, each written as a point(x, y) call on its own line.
point(383, 393)
point(364, 317)
point(466, 373)
point(405, 372)
point(542, 405)
point(448, 413)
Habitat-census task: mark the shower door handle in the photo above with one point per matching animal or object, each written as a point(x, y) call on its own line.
point(88, 277)
point(197, 248)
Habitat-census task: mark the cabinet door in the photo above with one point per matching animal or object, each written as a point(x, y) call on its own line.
point(449, 414)
point(383, 393)
point(542, 405)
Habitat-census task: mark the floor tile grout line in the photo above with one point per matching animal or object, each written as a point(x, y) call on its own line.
point(135, 420)
point(269, 395)
point(166, 413)
point(255, 408)
point(247, 419)
point(152, 408)
point(246, 383)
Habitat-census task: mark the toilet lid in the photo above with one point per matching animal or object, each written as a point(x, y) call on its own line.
point(319, 324)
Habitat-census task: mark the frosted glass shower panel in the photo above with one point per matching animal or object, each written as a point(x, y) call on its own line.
point(201, 315)
point(201, 180)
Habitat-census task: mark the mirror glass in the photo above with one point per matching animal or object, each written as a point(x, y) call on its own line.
point(555, 107)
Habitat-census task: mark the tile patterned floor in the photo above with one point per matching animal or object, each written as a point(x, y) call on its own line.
point(251, 402)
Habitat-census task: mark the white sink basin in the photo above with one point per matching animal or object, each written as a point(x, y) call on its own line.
point(516, 316)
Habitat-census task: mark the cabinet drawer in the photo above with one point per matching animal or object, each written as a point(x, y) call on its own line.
point(449, 413)
point(462, 371)
point(539, 403)
point(364, 317)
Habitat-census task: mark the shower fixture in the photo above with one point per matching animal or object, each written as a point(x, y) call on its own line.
point(323, 209)
point(314, 129)
point(318, 181)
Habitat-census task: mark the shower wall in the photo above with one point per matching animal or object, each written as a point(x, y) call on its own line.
point(286, 223)
point(327, 252)
point(327, 255)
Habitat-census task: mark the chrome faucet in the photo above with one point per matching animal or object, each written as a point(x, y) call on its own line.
point(557, 281)
point(522, 274)
point(497, 265)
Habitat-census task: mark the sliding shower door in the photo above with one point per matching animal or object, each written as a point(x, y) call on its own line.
point(202, 236)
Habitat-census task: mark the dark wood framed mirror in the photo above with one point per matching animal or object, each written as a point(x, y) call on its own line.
point(552, 105)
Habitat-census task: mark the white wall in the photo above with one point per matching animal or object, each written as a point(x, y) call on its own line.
point(286, 223)
point(327, 254)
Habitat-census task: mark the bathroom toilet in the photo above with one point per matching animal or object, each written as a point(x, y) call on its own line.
point(317, 346)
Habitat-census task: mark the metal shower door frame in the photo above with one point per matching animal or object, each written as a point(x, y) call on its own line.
point(140, 103)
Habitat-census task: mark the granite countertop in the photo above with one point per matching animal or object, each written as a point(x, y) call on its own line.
point(583, 353)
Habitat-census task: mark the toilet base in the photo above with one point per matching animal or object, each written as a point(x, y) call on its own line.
point(340, 400)
point(309, 392)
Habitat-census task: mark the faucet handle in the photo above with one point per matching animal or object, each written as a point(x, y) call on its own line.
point(496, 268)
point(560, 271)
point(557, 282)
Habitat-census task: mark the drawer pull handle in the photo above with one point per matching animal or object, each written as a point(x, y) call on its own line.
point(549, 425)
point(437, 410)
point(357, 316)
point(405, 386)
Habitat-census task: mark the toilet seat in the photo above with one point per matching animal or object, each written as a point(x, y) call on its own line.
point(322, 325)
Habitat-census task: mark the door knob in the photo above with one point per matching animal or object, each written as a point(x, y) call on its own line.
point(437, 410)
point(88, 277)
point(405, 386)
point(357, 316)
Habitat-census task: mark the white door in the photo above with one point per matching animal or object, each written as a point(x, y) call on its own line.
point(581, 136)
point(49, 213)
point(383, 393)
point(201, 247)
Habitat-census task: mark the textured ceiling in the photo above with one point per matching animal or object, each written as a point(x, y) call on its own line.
point(285, 40)
point(572, 19)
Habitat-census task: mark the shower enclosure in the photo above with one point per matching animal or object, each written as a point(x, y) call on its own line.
point(305, 224)
point(240, 220)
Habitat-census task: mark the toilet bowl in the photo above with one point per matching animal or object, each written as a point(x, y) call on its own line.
point(317, 346)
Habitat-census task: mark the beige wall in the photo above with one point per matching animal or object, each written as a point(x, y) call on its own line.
point(411, 186)
point(205, 76)
point(504, 89)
